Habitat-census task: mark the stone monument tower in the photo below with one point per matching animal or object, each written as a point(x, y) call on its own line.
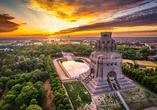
point(105, 73)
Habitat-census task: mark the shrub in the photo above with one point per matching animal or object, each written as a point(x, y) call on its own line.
point(9, 98)
point(20, 81)
point(34, 107)
point(1, 91)
point(4, 80)
point(60, 107)
point(33, 101)
point(8, 72)
point(16, 87)
point(15, 77)
point(23, 107)
point(27, 93)
point(1, 85)
point(11, 83)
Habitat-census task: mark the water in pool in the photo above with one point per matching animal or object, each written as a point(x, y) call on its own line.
point(75, 68)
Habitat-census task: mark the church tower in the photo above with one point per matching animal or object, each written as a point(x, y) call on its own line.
point(105, 73)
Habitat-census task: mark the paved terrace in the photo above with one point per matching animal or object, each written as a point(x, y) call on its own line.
point(67, 55)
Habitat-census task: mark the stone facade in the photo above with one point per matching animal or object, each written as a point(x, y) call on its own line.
point(105, 73)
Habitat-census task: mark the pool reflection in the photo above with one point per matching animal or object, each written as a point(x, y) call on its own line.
point(75, 68)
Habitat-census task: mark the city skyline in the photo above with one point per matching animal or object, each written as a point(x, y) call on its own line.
point(78, 18)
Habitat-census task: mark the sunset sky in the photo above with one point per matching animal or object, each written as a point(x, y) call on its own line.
point(78, 18)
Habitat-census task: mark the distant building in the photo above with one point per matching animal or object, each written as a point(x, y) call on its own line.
point(7, 49)
point(48, 42)
point(60, 42)
point(138, 52)
point(86, 43)
point(56, 40)
point(75, 42)
point(20, 44)
point(38, 43)
point(27, 41)
point(5, 44)
point(152, 57)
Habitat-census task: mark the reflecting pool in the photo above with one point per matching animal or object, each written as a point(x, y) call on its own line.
point(75, 68)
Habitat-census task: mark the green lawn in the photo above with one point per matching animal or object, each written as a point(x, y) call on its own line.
point(87, 61)
point(78, 94)
point(155, 63)
point(138, 99)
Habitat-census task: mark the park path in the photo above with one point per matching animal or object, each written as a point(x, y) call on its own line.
point(124, 103)
point(69, 58)
point(59, 70)
point(47, 101)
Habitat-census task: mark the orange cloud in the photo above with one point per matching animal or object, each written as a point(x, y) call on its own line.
point(147, 17)
point(72, 10)
point(6, 25)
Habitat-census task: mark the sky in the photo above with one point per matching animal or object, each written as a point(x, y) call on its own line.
point(78, 18)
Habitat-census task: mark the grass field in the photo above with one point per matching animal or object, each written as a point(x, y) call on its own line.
point(82, 100)
point(138, 99)
point(129, 61)
point(78, 94)
point(106, 102)
point(155, 63)
point(87, 61)
point(146, 63)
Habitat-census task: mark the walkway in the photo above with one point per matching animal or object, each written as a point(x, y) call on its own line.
point(59, 70)
point(69, 58)
point(67, 55)
point(124, 103)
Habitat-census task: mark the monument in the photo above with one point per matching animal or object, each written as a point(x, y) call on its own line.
point(105, 72)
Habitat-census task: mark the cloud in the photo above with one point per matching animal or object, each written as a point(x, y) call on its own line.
point(147, 17)
point(6, 25)
point(72, 10)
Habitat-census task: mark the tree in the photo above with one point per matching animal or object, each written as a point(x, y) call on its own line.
point(20, 81)
point(60, 107)
point(9, 98)
point(42, 56)
point(1, 91)
point(34, 107)
point(23, 107)
point(16, 58)
point(27, 60)
point(4, 80)
point(11, 83)
point(39, 66)
point(27, 93)
point(1, 85)
point(16, 87)
point(8, 72)
point(66, 101)
point(23, 65)
point(41, 96)
point(22, 58)
point(68, 107)
point(33, 101)
point(1, 63)
point(4, 67)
